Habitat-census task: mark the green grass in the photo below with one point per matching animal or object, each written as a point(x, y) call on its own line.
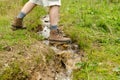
point(14, 72)
point(95, 27)
point(8, 13)
point(93, 24)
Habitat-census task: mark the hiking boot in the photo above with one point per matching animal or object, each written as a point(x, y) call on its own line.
point(17, 24)
point(56, 36)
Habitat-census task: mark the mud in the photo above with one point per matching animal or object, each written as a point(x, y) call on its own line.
point(66, 58)
point(67, 55)
point(59, 68)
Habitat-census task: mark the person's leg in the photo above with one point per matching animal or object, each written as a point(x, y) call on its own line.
point(28, 7)
point(25, 10)
point(54, 15)
point(54, 19)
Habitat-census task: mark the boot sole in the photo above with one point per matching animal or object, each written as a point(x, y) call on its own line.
point(17, 28)
point(57, 41)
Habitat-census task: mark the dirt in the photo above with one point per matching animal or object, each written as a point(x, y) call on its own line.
point(42, 60)
point(67, 55)
point(58, 67)
point(25, 58)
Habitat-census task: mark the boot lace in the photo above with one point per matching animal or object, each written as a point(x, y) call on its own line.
point(59, 33)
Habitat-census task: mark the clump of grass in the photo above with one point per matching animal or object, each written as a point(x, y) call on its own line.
point(13, 72)
point(24, 1)
point(4, 21)
point(1, 47)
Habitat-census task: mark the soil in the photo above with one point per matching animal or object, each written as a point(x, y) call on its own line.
point(67, 55)
point(43, 60)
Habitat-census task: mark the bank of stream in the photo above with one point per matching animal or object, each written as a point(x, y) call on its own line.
point(66, 58)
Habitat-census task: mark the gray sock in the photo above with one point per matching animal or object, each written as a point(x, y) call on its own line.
point(54, 27)
point(21, 15)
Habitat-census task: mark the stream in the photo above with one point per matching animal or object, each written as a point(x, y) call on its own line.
point(67, 55)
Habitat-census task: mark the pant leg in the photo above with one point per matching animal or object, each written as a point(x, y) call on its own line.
point(54, 2)
point(46, 2)
point(38, 2)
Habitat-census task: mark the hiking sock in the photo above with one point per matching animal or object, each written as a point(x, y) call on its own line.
point(21, 15)
point(54, 27)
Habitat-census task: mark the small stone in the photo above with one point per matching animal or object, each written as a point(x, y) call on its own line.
point(7, 48)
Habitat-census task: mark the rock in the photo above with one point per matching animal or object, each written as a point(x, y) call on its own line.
point(7, 48)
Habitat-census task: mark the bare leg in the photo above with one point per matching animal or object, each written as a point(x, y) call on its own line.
point(54, 15)
point(54, 18)
point(28, 7)
point(18, 22)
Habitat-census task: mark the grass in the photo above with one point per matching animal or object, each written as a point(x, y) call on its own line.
point(95, 27)
point(93, 24)
point(8, 10)
point(7, 36)
point(14, 72)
